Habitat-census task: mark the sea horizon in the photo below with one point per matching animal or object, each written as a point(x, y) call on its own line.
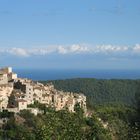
point(61, 74)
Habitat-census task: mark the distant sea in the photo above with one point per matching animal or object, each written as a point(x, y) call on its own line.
point(35, 74)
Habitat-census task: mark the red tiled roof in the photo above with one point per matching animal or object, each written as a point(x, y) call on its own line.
point(22, 100)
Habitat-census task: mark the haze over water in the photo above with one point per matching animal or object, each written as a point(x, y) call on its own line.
point(43, 74)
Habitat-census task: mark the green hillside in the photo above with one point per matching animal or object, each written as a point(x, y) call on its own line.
point(116, 102)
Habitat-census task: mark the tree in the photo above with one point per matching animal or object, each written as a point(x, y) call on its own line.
point(137, 96)
point(79, 111)
point(97, 131)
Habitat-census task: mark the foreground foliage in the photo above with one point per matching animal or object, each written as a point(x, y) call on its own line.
point(52, 125)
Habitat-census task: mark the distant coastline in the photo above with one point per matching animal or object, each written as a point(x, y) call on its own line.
point(44, 74)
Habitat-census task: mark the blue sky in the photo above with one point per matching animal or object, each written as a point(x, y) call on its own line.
point(70, 34)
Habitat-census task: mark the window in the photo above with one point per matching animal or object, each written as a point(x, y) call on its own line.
point(53, 98)
point(61, 100)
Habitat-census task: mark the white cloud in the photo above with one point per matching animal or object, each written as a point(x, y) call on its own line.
point(62, 50)
point(110, 48)
point(136, 49)
point(74, 49)
point(78, 49)
point(18, 51)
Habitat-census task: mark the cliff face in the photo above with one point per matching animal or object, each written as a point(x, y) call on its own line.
point(18, 93)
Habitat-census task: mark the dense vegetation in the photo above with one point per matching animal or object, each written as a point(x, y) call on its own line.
point(122, 123)
point(54, 125)
point(116, 102)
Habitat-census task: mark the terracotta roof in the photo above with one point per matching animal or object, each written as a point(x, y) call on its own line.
point(70, 101)
point(18, 95)
point(39, 88)
point(45, 95)
point(22, 100)
point(3, 72)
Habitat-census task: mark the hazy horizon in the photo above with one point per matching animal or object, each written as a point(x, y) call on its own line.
point(44, 74)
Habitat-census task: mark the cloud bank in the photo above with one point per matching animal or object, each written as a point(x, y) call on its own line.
point(108, 50)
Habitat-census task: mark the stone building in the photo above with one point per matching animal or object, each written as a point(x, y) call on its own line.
point(3, 78)
point(48, 95)
point(5, 92)
point(21, 104)
point(17, 93)
point(26, 86)
point(6, 75)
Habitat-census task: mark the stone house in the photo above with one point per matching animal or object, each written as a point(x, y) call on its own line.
point(5, 92)
point(27, 88)
point(6, 75)
point(17, 93)
point(49, 96)
point(3, 78)
point(21, 104)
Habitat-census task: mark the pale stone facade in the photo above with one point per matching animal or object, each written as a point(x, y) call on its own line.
point(22, 104)
point(6, 75)
point(5, 92)
point(3, 78)
point(24, 92)
point(12, 76)
point(6, 70)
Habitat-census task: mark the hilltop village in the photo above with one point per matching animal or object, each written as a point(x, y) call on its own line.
point(18, 94)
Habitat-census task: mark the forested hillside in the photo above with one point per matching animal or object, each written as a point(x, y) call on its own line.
point(52, 125)
point(101, 92)
point(116, 102)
